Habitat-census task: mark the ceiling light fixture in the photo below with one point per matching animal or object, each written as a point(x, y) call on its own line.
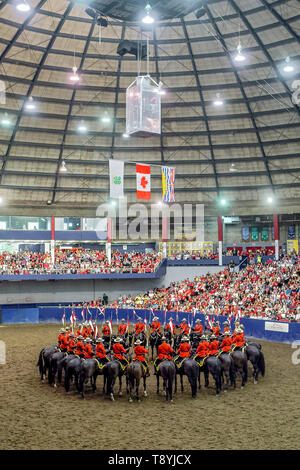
point(233, 169)
point(125, 135)
point(239, 57)
point(148, 19)
point(82, 127)
point(23, 6)
point(288, 67)
point(5, 120)
point(74, 77)
point(30, 104)
point(105, 119)
point(63, 168)
point(218, 101)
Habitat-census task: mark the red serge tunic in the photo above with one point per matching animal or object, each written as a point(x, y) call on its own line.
point(184, 350)
point(140, 352)
point(122, 329)
point(164, 352)
point(119, 351)
point(139, 328)
point(203, 349)
point(226, 344)
point(100, 351)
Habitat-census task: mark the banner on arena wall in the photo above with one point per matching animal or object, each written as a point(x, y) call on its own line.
point(143, 182)
point(245, 234)
point(116, 178)
point(254, 234)
point(265, 234)
point(168, 184)
point(272, 326)
point(292, 245)
point(291, 232)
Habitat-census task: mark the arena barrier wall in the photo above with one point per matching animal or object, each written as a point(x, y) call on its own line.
point(284, 332)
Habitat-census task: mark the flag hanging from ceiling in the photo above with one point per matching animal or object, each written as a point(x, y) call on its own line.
point(116, 178)
point(168, 184)
point(143, 183)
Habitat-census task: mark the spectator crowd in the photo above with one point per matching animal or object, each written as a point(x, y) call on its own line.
point(78, 262)
point(268, 290)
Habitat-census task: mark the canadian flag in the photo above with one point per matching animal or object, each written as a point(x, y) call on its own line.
point(143, 184)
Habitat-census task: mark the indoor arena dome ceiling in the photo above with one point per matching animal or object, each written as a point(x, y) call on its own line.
point(230, 127)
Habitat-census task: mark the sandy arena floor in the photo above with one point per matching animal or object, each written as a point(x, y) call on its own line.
point(36, 416)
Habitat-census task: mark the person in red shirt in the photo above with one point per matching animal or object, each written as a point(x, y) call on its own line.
point(198, 327)
point(165, 352)
point(88, 350)
point(79, 348)
point(226, 343)
point(119, 352)
point(64, 342)
point(184, 351)
point(171, 327)
point(226, 327)
point(216, 329)
point(122, 329)
point(238, 340)
point(202, 349)
point(140, 353)
point(101, 353)
point(71, 343)
point(184, 327)
point(213, 346)
point(60, 335)
point(106, 329)
point(155, 325)
point(139, 327)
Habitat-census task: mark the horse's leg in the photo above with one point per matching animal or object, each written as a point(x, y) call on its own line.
point(120, 385)
point(104, 383)
point(175, 388)
point(199, 380)
point(137, 386)
point(206, 375)
point(157, 383)
point(145, 387)
point(181, 383)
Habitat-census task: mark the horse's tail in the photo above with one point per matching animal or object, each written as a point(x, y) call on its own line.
point(81, 380)
point(245, 369)
point(50, 372)
point(261, 364)
point(232, 373)
point(67, 378)
point(40, 362)
point(171, 376)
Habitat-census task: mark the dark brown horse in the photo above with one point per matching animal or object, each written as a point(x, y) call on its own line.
point(167, 370)
point(135, 372)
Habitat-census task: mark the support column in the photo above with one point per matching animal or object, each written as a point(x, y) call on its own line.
point(164, 236)
point(276, 235)
point(52, 240)
point(220, 238)
point(108, 243)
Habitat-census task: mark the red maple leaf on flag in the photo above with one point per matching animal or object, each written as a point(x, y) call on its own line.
point(144, 182)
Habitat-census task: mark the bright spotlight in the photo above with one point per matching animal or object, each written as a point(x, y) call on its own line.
point(82, 127)
point(218, 101)
point(148, 19)
point(30, 104)
point(125, 135)
point(288, 67)
point(74, 77)
point(239, 57)
point(5, 120)
point(23, 6)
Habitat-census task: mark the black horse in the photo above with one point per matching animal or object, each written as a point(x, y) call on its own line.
point(135, 372)
point(167, 370)
point(240, 365)
point(44, 360)
point(228, 370)
point(190, 368)
point(55, 368)
point(256, 357)
point(142, 337)
point(155, 341)
point(89, 371)
point(113, 370)
point(72, 369)
point(211, 365)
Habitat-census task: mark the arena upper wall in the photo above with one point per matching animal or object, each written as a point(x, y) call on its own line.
point(85, 290)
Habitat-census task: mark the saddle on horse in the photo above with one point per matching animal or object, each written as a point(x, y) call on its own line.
point(101, 362)
point(179, 361)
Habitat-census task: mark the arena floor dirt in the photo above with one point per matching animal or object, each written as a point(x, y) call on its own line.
point(36, 416)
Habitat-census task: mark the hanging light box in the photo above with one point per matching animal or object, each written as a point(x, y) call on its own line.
point(143, 107)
